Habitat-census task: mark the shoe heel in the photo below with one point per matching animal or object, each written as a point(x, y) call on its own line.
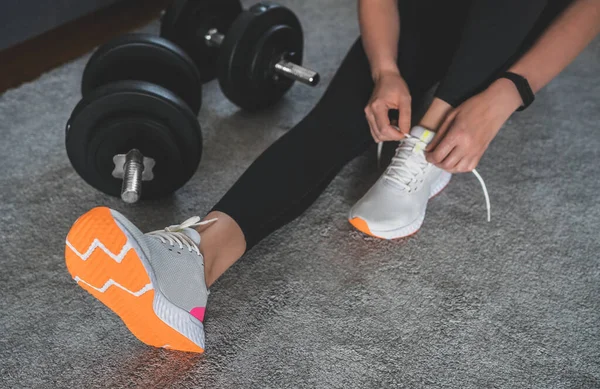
point(102, 261)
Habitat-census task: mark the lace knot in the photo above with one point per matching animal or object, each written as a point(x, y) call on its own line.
point(175, 235)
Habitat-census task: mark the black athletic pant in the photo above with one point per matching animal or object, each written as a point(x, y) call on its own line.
point(461, 44)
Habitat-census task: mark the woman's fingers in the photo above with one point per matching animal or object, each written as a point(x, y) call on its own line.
point(405, 114)
point(452, 160)
point(438, 154)
point(465, 165)
point(372, 124)
point(374, 134)
point(441, 132)
point(385, 130)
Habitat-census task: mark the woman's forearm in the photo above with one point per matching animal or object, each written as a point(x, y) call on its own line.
point(558, 46)
point(380, 29)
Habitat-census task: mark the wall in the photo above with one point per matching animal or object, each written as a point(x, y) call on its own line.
point(24, 19)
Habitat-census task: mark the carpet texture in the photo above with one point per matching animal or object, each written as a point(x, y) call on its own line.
point(514, 303)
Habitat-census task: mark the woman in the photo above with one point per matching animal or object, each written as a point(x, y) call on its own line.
point(488, 58)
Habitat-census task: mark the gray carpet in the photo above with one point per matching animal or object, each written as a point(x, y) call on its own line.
point(514, 303)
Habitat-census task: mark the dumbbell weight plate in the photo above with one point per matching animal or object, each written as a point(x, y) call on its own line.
point(145, 57)
point(118, 117)
point(186, 22)
point(259, 38)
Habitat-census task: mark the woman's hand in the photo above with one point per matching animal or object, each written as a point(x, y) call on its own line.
point(468, 129)
point(390, 92)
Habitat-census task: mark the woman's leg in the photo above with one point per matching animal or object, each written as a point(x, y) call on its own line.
point(290, 175)
point(287, 177)
point(495, 34)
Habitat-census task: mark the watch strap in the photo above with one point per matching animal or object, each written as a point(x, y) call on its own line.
point(523, 88)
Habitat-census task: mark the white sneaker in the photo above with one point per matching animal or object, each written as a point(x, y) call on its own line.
point(395, 205)
point(154, 281)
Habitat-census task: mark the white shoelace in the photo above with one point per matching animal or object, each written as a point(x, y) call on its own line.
point(173, 234)
point(402, 170)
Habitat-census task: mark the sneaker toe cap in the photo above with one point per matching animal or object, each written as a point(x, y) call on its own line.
point(374, 214)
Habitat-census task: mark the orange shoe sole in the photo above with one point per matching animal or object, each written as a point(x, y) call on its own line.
point(100, 258)
point(363, 227)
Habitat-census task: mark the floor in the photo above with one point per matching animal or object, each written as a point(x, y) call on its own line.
point(514, 303)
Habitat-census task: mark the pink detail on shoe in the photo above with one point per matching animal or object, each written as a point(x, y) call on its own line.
point(198, 313)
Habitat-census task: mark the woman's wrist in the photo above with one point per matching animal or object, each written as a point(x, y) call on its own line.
point(379, 70)
point(507, 92)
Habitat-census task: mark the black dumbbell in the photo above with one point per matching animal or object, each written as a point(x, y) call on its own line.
point(183, 21)
point(259, 52)
point(135, 131)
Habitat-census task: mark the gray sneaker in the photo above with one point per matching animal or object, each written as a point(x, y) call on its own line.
point(153, 281)
point(395, 205)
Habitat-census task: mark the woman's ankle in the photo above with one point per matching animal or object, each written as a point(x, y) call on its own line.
point(435, 115)
point(222, 244)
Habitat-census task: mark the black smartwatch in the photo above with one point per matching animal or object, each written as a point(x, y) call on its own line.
point(522, 86)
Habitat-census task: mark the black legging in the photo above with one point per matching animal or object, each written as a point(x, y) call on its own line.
point(461, 44)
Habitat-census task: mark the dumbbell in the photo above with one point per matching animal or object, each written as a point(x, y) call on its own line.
point(256, 54)
point(135, 131)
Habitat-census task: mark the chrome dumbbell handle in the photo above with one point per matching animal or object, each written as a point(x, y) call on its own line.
point(286, 68)
point(297, 72)
point(132, 168)
point(214, 38)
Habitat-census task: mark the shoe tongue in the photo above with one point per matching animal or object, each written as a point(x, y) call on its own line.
point(192, 233)
point(411, 149)
point(423, 134)
point(420, 137)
